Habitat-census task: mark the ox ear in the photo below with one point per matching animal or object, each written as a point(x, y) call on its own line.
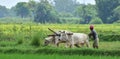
point(69, 33)
point(59, 31)
point(63, 31)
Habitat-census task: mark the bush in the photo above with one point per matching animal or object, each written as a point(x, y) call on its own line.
point(69, 20)
point(96, 21)
point(20, 41)
point(64, 14)
point(117, 22)
point(36, 39)
point(45, 13)
point(109, 37)
point(20, 38)
point(14, 20)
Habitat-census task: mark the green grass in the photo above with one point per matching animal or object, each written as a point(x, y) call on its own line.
point(11, 36)
point(106, 32)
point(104, 50)
point(109, 45)
point(55, 56)
point(114, 45)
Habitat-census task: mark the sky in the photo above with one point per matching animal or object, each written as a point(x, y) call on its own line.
point(11, 3)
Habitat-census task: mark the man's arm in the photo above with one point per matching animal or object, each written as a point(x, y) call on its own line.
point(90, 34)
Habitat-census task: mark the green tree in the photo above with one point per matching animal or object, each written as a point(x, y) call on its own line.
point(3, 11)
point(12, 12)
point(45, 13)
point(32, 6)
point(116, 14)
point(22, 9)
point(105, 8)
point(86, 12)
point(65, 5)
point(96, 20)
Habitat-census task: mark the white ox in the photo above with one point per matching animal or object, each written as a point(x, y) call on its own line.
point(56, 38)
point(76, 39)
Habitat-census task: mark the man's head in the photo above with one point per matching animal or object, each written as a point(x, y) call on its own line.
point(91, 27)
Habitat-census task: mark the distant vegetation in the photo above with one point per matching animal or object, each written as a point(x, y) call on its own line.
point(14, 20)
point(61, 11)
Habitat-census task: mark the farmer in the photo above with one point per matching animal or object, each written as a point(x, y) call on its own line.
point(93, 33)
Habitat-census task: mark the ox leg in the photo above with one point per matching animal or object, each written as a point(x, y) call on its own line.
point(87, 44)
point(82, 44)
point(57, 44)
point(67, 44)
point(71, 45)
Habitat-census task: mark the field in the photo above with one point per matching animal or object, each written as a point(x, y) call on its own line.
point(37, 56)
point(26, 40)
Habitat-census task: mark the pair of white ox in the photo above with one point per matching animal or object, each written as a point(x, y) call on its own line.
point(67, 37)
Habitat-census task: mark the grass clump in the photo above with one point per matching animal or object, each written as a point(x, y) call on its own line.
point(36, 39)
point(20, 38)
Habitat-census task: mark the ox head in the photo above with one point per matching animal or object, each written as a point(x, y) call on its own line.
point(61, 35)
point(64, 35)
point(64, 32)
point(51, 39)
point(47, 41)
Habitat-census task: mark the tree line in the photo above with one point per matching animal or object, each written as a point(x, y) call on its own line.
point(58, 11)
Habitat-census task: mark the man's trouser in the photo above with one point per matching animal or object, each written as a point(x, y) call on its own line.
point(96, 43)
